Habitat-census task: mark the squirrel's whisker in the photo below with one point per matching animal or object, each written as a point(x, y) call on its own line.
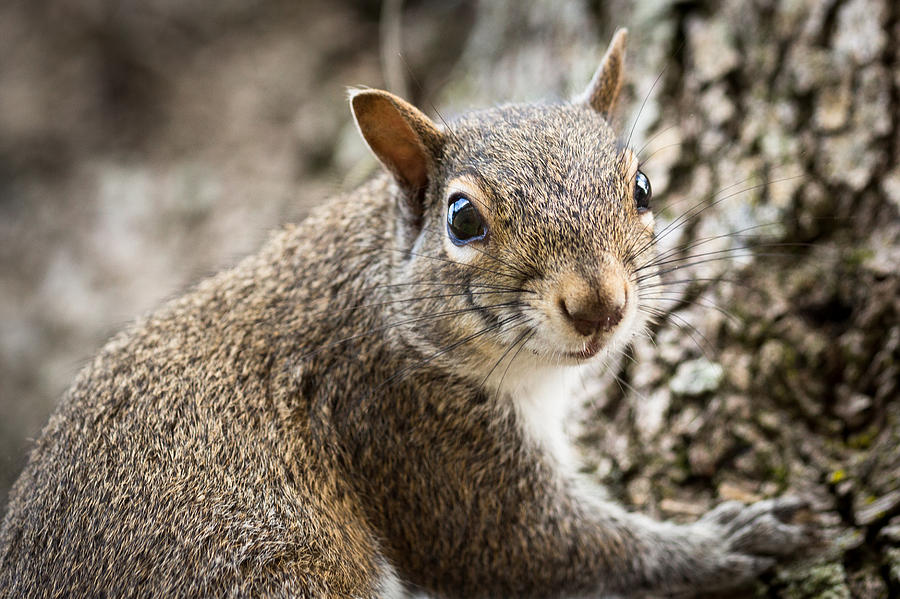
point(450, 261)
point(366, 290)
point(409, 299)
point(658, 150)
point(419, 363)
point(386, 327)
point(723, 254)
point(710, 149)
point(693, 213)
point(521, 271)
point(650, 141)
point(768, 180)
point(686, 282)
point(632, 236)
point(681, 324)
point(696, 280)
point(697, 209)
point(651, 275)
point(375, 249)
point(505, 353)
point(447, 129)
point(691, 302)
point(770, 171)
point(644, 103)
point(513, 359)
point(704, 240)
point(443, 284)
point(670, 256)
point(620, 381)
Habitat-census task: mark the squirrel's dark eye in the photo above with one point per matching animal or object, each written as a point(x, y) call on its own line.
point(642, 192)
point(463, 222)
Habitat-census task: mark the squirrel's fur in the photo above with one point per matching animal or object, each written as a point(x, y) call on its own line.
point(350, 412)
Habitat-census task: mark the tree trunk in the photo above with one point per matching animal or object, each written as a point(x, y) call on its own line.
point(769, 132)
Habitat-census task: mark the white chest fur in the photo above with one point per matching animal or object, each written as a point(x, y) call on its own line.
point(543, 398)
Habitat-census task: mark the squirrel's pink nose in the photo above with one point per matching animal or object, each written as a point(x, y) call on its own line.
point(593, 312)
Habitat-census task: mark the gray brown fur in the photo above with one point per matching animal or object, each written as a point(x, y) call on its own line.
point(276, 433)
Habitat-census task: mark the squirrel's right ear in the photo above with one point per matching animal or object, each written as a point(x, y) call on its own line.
point(401, 137)
point(603, 90)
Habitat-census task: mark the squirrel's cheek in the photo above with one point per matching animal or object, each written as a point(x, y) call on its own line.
point(647, 221)
point(463, 254)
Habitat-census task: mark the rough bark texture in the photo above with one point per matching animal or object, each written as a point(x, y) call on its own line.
point(142, 147)
point(787, 113)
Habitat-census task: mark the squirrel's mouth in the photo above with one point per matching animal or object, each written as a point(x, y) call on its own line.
point(591, 347)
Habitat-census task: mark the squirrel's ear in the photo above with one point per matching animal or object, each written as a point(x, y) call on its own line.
point(401, 137)
point(603, 90)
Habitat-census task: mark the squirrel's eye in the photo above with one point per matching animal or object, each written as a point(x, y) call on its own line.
point(463, 222)
point(642, 192)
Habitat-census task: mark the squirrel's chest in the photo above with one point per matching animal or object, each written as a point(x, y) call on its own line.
point(543, 399)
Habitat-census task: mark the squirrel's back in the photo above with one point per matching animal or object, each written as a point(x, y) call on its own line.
point(188, 441)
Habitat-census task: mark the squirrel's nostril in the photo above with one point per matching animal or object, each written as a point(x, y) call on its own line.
point(589, 316)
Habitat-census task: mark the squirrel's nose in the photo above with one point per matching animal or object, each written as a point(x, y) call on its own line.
point(593, 312)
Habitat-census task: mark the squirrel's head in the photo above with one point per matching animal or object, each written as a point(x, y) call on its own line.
point(521, 229)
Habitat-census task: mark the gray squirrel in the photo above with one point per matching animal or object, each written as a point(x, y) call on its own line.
point(371, 406)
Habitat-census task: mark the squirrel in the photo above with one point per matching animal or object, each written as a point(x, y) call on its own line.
point(372, 405)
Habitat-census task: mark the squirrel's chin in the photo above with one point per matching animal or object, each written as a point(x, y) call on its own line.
point(598, 343)
point(591, 348)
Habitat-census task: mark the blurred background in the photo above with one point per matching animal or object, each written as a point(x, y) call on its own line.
point(146, 144)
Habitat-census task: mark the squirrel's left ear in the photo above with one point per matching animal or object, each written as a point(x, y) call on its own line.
point(603, 90)
point(402, 138)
